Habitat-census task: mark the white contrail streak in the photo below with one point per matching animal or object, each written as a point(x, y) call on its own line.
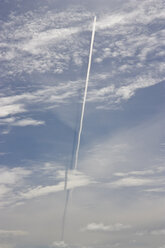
point(79, 134)
point(85, 94)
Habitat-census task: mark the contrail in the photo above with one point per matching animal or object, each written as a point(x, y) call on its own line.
point(85, 94)
point(64, 214)
point(70, 166)
point(68, 191)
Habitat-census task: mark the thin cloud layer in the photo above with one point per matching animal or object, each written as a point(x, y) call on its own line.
point(128, 57)
point(28, 122)
point(35, 39)
point(75, 179)
point(21, 123)
point(100, 227)
point(15, 183)
point(12, 176)
point(11, 110)
point(60, 244)
point(15, 233)
point(131, 181)
point(158, 232)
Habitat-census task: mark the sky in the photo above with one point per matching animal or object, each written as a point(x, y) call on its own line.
point(117, 195)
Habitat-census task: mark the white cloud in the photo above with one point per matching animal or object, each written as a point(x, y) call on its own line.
point(11, 181)
point(137, 15)
point(46, 38)
point(75, 179)
point(42, 190)
point(128, 91)
point(15, 99)
point(28, 122)
point(21, 122)
point(11, 109)
point(59, 244)
point(18, 184)
point(7, 120)
point(39, 57)
point(152, 178)
point(4, 190)
point(158, 232)
point(12, 176)
point(131, 182)
point(100, 227)
point(137, 173)
point(49, 97)
point(129, 56)
point(155, 190)
point(100, 94)
point(53, 93)
point(144, 13)
point(113, 95)
point(42, 44)
point(110, 21)
point(14, 233)
point(52, 96)
point(36, 39)
point(62, 244)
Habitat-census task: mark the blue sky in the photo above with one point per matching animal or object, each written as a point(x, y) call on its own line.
point(118, 198)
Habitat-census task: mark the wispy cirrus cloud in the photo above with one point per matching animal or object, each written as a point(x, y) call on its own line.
point(20, 122)
point(117, 94)
point(28, 122)
point(131, 182)
point(135, 173)
point(12, 176)
point(46, 38)
point(18, 184)
point(34, 40)
point(126, 92)
point(37, 39)
point(16, 107)
point(152, 179)
point(100, 227)
point(43, 58)
point(53, 96)
point(135, 60)
point(12, 109)
point(75, 179)
point(13, 233)
point(155, 190)
point(10, 180)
